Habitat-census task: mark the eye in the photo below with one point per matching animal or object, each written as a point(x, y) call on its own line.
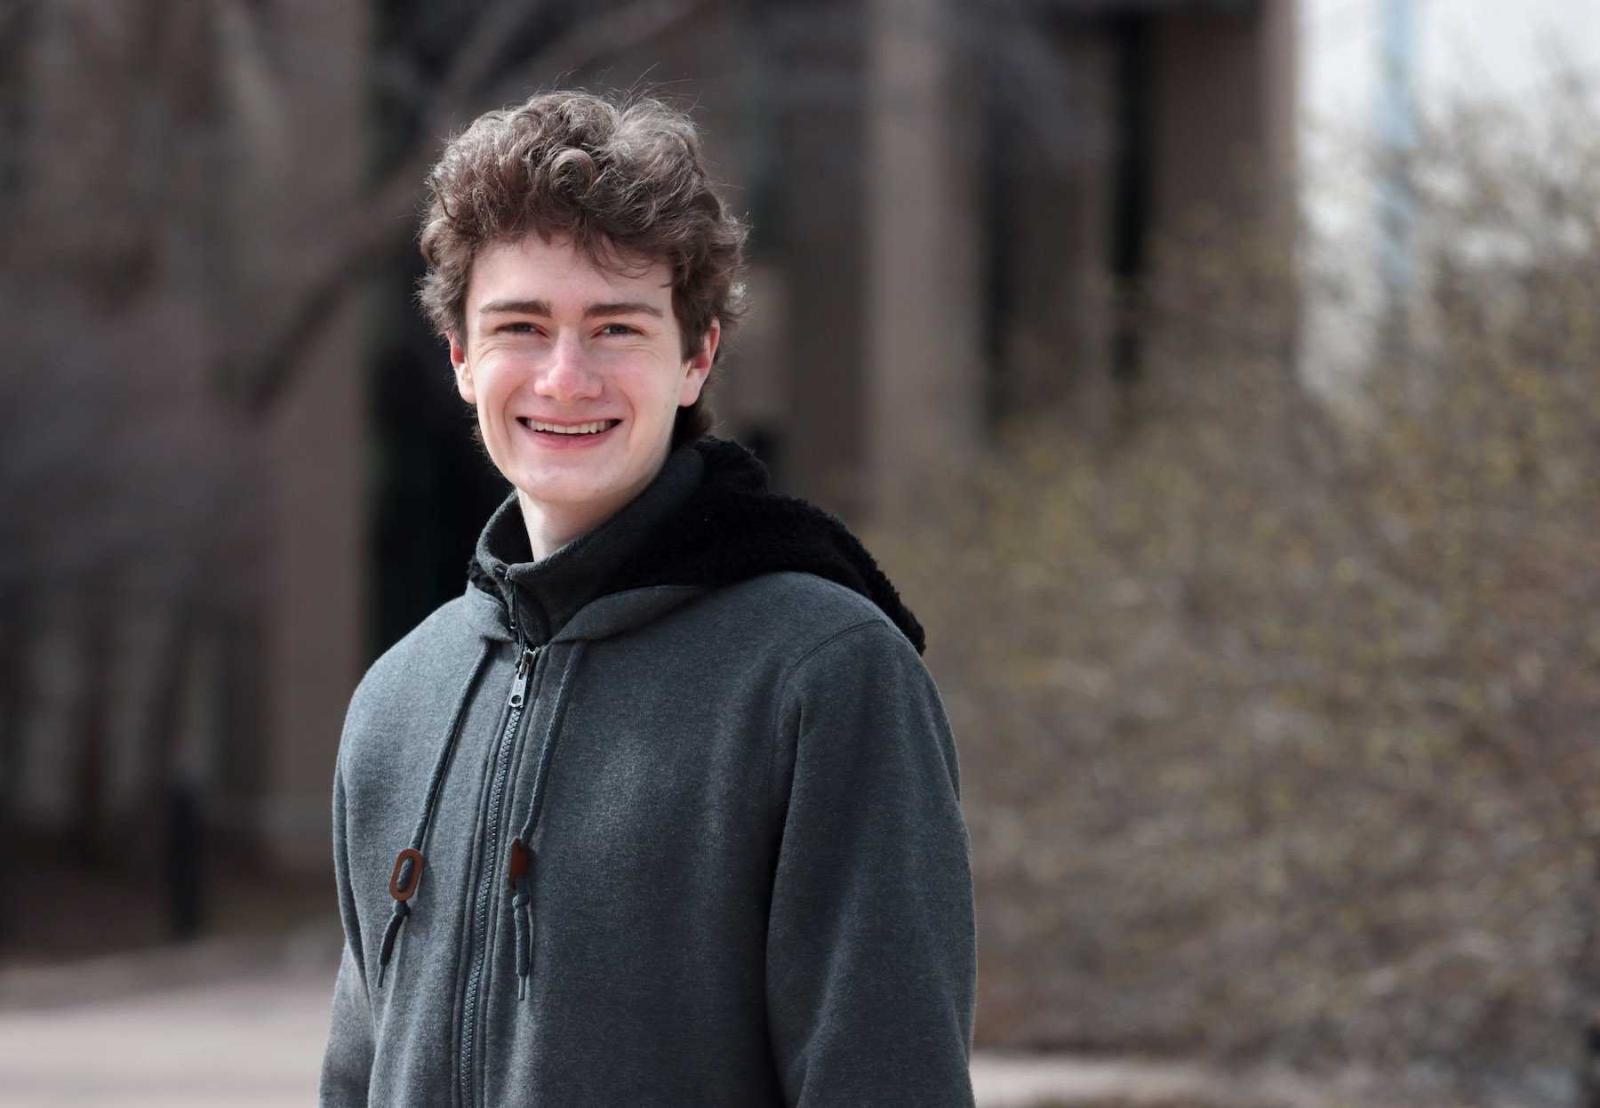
point(618, 329)
point(518, 327)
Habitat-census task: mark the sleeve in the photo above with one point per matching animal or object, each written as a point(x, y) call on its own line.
point(347, 1062)
point(871, 939)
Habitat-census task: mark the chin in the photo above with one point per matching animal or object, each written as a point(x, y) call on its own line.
point(578, 482)
point(566, 491)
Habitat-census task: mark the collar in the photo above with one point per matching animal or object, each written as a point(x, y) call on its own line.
point(538, 598)
point(707, 520)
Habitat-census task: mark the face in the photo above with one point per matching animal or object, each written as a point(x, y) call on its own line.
point(576, 373)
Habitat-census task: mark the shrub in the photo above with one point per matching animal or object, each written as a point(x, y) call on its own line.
point(1278, 716)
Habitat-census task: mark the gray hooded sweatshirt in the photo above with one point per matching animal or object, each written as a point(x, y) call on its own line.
point(670, 817)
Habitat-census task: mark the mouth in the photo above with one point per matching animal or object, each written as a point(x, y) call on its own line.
point(567, 433)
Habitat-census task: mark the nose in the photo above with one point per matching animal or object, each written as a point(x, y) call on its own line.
point(567, 375)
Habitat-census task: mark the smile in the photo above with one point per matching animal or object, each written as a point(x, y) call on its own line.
point(591, 428)
point(567, 432)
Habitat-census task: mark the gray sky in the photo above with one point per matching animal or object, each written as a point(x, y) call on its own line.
point(1489, 47)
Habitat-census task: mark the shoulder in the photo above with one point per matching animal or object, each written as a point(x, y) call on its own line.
point(856, 693)
point(804, 612)
point(409, 680)
point(770, 627)
point(436, 643)
point(824, 637)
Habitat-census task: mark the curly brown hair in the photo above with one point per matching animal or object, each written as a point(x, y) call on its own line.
point(622, 180)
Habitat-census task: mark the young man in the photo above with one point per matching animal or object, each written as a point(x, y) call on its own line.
point(663, 810)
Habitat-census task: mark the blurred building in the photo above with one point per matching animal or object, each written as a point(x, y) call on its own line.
point(1016, 162)
point(946, 198)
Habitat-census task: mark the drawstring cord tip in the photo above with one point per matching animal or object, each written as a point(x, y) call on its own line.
point(403, 884)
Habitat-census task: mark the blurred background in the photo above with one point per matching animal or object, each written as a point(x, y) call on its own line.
point(1216, 378)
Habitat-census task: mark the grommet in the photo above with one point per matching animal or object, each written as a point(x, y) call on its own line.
point(521, 862)
point(409, 889)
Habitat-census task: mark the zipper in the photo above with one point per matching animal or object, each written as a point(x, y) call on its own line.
point(489, 866)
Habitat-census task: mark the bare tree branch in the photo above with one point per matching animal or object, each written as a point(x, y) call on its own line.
point(384, 220)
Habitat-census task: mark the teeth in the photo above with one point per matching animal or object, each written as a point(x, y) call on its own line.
point(574, 429)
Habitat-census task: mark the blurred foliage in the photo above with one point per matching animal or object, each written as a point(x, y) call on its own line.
point(1277, 724)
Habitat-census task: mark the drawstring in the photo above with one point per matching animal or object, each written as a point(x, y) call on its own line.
point(408, 864)
point(519, 868)
point(521, 912)
point(407, 875)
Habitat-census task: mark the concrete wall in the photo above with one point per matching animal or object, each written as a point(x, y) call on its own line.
point(925, 373)
point(1222, 112)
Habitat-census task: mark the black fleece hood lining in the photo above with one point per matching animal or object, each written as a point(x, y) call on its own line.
point(733, 528)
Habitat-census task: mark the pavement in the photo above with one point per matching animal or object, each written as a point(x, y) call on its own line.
point(227, 1024)
point(242, 1043)
point(247, 1044)
point(242, 1025)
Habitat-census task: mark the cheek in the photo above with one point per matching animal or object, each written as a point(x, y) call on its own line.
point(647, 390)
point(495, 382)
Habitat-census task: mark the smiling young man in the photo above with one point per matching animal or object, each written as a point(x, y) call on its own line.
point(664, 809)
point(577, 373)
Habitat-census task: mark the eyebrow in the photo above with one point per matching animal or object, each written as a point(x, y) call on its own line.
point(542, 307)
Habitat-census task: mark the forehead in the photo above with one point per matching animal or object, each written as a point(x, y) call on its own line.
point(561, 275)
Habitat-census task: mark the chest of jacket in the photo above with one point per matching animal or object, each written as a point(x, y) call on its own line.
point(651, 859)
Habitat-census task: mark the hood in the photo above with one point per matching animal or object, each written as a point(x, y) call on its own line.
point(708, 519)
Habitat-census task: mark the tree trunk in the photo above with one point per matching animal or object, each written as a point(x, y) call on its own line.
point(91, 723)
point(171, 797)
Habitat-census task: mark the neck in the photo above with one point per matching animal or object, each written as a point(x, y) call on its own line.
point(552, 526)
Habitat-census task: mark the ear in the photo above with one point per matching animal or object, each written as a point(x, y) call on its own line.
point(698, 366)
point(463, 371)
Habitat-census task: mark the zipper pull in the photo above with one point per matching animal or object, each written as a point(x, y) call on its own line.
point(519, 687)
